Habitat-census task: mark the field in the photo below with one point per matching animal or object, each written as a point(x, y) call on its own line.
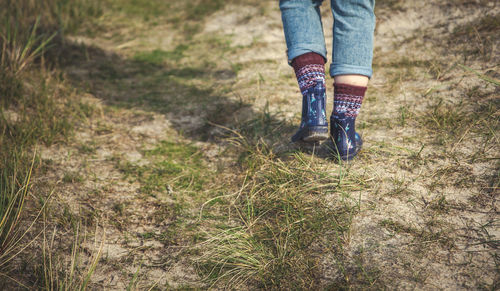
point(145, 145)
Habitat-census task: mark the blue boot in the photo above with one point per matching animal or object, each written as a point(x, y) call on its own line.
point(313, 126)
point(345, 138)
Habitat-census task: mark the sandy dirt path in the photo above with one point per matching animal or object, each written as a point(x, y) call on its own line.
point(428, 214)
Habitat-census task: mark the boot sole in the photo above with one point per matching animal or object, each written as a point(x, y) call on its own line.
point(312, 134)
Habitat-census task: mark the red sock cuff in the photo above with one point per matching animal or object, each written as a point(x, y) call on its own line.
point(307, 59)
point(349, 89)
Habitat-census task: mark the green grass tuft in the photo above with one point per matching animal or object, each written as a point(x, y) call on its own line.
point(158, 57)
point(172, 167)
point(280, 218)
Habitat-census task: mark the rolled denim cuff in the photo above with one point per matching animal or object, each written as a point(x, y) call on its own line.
point(308, 48)
point(343, 69)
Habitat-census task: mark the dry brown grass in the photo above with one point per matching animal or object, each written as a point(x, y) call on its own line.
point(185, 158)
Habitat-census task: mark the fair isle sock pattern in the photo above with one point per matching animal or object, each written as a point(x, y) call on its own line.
point(310, 75)
point(309, 70)
point(347, 100)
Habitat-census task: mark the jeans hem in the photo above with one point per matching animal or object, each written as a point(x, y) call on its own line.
point(295, 52)
point(343, 69)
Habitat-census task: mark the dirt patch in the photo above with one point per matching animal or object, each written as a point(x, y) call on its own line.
point(176, 116)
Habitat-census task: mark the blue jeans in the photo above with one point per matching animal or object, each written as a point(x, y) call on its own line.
point(353, 27)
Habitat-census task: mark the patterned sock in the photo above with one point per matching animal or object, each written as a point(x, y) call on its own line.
point(347, 100)
point(309, 70)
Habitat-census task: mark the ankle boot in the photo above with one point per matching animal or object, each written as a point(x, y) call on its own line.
point(313, 126)
point(345, 138)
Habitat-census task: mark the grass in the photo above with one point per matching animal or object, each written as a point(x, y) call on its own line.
point(174, 11)
point(451, 123)
point(456, 124)
point(55, 15)
point(73, 273)
point(36, 108)
point(476, 39)
point(158, 57)
point(172, 167)
point(252, 211)
point(384, 6)
point(431, 233)
point(486, 78)
point(276, 222)
point(18, 54)
point(72, 177)
point(14, 188)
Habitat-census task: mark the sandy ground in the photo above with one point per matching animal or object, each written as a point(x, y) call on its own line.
point(400, 236)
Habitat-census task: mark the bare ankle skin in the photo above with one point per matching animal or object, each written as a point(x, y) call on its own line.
point(355, 80)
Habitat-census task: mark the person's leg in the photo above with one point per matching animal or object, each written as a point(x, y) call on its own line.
point(303, 28)
point(354, 24)
point(307, 55)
